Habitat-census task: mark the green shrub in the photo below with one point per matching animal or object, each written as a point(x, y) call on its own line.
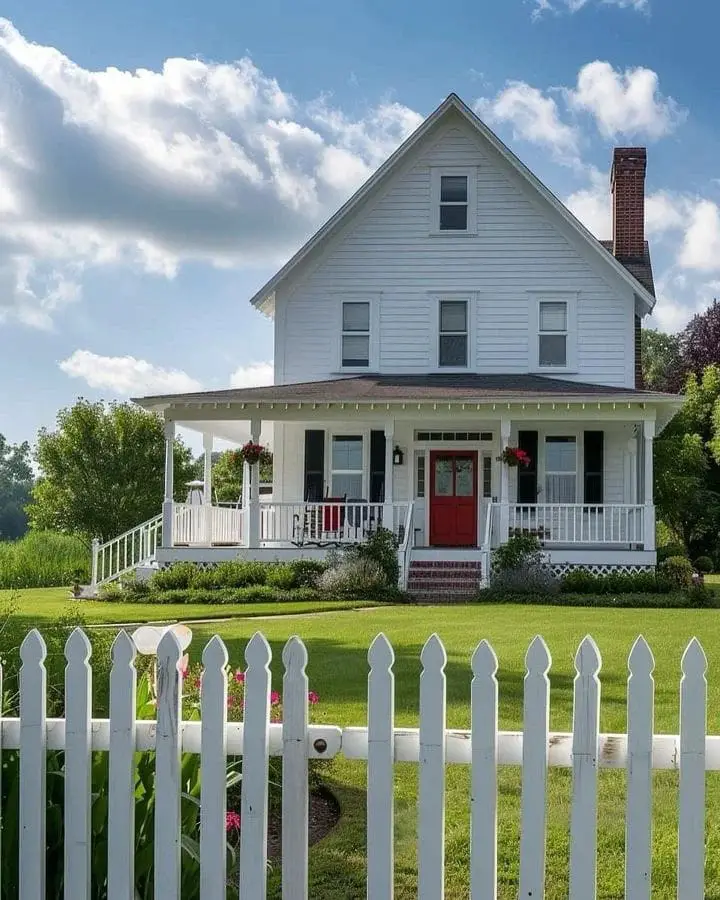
point(667, 551)
point(381, 547)
point(281, 576)
point(582, 581)
point(694, 598)
point(254, 593)
point(177, 576)
point(44, 559)
point(678, 570)
point(704, 565)
point(353, 577)
point(516, 551)
point(307, 571)
point(527, 578)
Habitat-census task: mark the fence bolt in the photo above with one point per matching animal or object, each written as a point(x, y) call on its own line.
point(320, 745)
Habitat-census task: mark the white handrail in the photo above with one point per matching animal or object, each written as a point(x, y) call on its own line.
point(579, 523)
point(125, 552)
point(405, 548)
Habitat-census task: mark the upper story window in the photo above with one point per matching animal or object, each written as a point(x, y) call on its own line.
point(453, 200)
point(553, 334)
point(453, 337)
point(355, 334)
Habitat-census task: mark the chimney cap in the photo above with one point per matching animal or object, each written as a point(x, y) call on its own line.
point(629, 159)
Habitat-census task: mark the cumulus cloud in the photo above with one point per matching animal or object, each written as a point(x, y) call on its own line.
point(253, 375)
point(701, 245)
point(196, 161)
point(625, 103)
point(572, 6)
point(126, 376)
point(533, 116)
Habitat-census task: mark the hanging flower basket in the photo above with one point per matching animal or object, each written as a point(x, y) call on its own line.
point(514, 457)
point(251, 453)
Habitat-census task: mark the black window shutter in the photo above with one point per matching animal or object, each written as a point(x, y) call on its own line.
point(594, 465)
point(527, 475)
point(314, 464)
point(377, 466)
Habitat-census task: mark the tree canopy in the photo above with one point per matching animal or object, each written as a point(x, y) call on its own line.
point(102, 470)
point(16, 481)
point(662, 365)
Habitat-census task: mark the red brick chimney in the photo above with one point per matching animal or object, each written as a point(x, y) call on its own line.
point(628, 188)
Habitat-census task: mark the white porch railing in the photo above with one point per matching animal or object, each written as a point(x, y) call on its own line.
point(125, 552)
point(579, 523)
point(205, 525)
point(406, 546)
point(328, 522)
point(431, 748)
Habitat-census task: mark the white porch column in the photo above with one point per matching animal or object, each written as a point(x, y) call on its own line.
point(649, 434)
point(631, 477)
point(167, 512)
point(505, 428)
point(253, 519)
point(207, 485)
point(388, 508)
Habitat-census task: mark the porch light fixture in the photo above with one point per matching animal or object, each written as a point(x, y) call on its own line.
point(398, 456)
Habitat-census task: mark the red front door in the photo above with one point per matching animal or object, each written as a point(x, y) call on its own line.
point(453, 499)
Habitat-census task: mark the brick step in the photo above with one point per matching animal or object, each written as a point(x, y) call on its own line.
point(436, 597)
point(445, 564)
point(447, 581)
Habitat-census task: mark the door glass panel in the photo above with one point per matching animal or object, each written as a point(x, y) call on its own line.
point(443, 477)
point(463, 477)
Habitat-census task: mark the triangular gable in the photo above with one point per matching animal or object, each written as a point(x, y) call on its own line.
point(452, 102)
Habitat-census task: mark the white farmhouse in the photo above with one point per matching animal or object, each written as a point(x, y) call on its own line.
point(451, 309)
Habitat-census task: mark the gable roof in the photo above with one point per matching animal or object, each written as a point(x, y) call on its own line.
point(453, 102)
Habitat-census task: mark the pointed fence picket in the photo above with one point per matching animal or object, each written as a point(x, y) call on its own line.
point(432, 746)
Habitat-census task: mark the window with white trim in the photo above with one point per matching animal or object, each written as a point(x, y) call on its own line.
point(453, 337)
point(553, 334)
point(454, 198)
point(560, 469)
point(346, 462)
point(355, 334)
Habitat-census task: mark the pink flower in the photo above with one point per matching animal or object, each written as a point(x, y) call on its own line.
point(313, 698)
point(230, 701)
point(232, 821)
point(184, 665)
point(274, 698)
point(240, 677)
point(198, 683)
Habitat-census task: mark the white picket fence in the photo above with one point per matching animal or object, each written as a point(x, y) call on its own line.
point(432, 746)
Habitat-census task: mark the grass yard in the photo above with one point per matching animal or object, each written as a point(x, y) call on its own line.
point(337, 670)
point(43, 605)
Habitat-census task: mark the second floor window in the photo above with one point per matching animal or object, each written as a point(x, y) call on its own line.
point(453, 346)
point(453, 202)
point(356, 334)
point(553, 334)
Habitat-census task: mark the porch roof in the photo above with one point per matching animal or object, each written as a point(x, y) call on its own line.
point(398, 392)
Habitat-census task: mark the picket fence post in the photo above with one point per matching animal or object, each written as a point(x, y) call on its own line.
point(253, 834)
point(295, 791)
point(638, 814)
point(213, 765)
point(483, 796)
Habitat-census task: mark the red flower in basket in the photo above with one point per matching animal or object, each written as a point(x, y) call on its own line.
point(251, 453)
point(514, 456)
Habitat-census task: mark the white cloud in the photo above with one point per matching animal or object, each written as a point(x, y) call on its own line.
point(196, 161)
point(253, 375)
point(533, 116)
point(701, 245)
point(572, 6)
point(625, 103)
point(126, 376)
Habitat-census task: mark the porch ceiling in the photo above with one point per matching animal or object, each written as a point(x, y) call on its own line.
point(406, 396)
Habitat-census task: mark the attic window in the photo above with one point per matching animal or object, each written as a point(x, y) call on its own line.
point(453, 201)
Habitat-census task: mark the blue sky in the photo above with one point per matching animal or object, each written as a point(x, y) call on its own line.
point(158, 161)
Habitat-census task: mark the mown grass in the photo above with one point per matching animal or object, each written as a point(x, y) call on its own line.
point(337, 669)
point(43, 559)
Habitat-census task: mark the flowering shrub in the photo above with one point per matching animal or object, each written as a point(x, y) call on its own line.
point(514, 456)
point(251, 453)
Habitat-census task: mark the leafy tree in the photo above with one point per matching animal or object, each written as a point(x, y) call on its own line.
point(662, 365)
point(16, 480)
point(227, 475)
point(700, 340)
point(102, 470)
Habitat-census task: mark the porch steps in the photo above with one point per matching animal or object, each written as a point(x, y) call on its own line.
point(444, 581)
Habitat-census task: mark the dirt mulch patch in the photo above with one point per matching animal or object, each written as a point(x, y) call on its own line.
point(324, 814)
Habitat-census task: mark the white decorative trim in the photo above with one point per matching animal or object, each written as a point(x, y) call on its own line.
point(560, 569)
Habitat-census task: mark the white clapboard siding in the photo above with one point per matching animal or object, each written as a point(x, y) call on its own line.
point(380, 780)
point(536, 722)
point(33, 766)
point(691, 823)
point(167, 768)
point(78, 744)
point(295, 772)
point(253, 836)
point(213, 763)
point(432, 746)
point(431, 805)
point(638, 826)
point(483, 797)
point(586, 727)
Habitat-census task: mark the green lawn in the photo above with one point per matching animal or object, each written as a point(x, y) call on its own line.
point(39, 605)
point(337, 669)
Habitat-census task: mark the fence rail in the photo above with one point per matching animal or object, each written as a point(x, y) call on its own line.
point(431, 746)
point(577, 523)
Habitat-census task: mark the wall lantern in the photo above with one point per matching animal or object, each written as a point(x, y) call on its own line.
point(397, 456)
